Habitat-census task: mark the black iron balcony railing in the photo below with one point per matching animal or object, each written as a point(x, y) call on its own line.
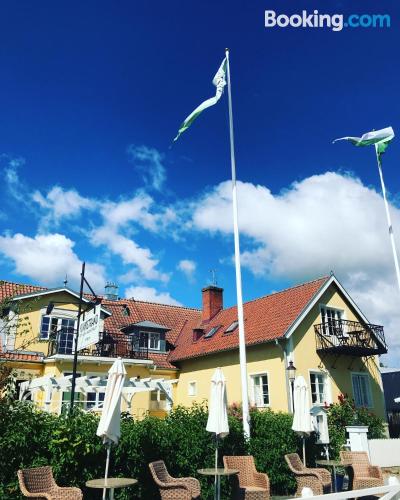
point(350, 337)
point(108, 346)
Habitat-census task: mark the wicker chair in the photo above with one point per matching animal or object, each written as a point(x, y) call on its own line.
point(182, 488)
point(361, 473)
point(39, 483)
point(319, 480)
point(249, 484)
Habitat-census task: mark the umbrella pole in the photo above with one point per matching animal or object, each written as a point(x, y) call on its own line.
point(216, 465)
point(107, 465)
point(304, 451)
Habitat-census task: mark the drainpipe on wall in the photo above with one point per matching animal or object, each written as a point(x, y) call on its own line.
point(285, 362)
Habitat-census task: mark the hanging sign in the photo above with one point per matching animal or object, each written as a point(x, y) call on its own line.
point(89, 328)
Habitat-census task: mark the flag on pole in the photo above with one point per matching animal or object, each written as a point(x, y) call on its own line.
point(219, 81)
point(380, 138)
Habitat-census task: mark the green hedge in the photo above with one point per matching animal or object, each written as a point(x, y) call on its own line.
point(29, 438)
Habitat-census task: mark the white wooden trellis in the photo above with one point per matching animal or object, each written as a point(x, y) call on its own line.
point(86, 384)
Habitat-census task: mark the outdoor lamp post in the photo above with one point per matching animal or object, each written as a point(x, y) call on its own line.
point(291, 371)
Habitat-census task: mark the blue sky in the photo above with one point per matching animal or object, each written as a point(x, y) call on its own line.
point(93, 94)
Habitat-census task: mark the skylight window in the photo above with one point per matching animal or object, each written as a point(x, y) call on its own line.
point(212, 332)
point(232, 327)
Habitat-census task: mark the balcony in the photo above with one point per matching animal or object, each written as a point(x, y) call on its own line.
point(108, 347)
point(350, 337)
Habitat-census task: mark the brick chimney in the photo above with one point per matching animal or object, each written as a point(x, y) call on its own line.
point(212, 302)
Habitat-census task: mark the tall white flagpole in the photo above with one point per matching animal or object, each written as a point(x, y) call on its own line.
point(389, 220)
point(242, 340)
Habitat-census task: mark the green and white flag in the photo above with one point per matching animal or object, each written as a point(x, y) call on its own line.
point(380, 138)
point(219, 81)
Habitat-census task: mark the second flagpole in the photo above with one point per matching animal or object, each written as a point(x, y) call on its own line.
point(389, 221)
point(242, 339)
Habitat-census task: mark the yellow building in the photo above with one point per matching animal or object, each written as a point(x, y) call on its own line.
point(315, 325)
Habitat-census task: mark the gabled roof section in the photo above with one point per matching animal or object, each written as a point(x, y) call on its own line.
point(39, 291)
point(267, 318)
point(332, 280)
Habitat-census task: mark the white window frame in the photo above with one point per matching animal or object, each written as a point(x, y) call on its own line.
point(326, 322)
point(97, 393)
point(192, 388)
point(252, 377)
point(327, 387)
point(158, 400)
point(366, 376)
point(60, 314)
point(151, 337)
point(147, 336)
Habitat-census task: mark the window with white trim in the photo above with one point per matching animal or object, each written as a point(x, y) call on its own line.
point(260, 390)
point(52, 324)
point(150, 340)
point(331, 319)
point(319, 390)
point(158, 400)
point(154, 341)
point(361, 390)
point(192, 388)
point(93, 399)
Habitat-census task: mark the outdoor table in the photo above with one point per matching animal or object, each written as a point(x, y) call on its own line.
point(217, 473)
point(333, 464)
point(110, 484)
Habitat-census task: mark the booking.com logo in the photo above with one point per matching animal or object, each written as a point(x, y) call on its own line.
point(334, 21)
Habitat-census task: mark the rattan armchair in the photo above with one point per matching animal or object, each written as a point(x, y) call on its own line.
point(171, 488)
point(249, 484)
point(361, 473)
point(319, 480)
point(39, 483)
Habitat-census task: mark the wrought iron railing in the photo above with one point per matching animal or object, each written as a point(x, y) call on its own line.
point(108, 346)
point(350, 337)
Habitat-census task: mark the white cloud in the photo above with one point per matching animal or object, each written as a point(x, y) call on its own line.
point(129, 251)
point(133, 210)
point(61, 204)
point(325, 222)
point(188, 267)
point(149, 162)
point(14, 185)
point(150, 295)
point(46, 259)
point(121, 217)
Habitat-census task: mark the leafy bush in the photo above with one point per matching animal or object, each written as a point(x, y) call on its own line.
point(29, 438)
point(344, 413)
point(272, 438)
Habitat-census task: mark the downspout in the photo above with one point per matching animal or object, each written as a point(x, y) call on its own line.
point(285, 363)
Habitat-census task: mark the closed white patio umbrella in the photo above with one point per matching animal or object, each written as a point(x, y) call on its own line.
point(109, 427)
point(301, 419)
point(218, 416)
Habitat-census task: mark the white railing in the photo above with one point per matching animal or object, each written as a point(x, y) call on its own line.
point(384, 452)
point(388, 492)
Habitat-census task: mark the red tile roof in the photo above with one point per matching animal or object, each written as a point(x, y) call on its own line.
point(176, 318)
point(20, 356)
point(8, 289)
point(266, 319)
